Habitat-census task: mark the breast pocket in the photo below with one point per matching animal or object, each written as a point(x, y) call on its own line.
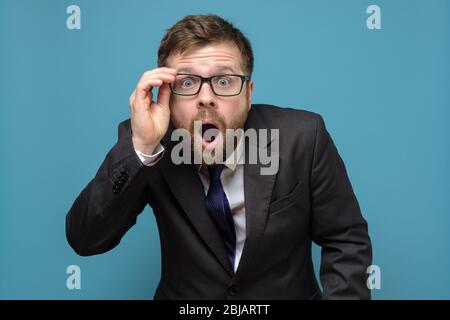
point(287, 200)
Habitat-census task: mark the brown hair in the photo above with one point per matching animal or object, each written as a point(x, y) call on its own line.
point(201, 30)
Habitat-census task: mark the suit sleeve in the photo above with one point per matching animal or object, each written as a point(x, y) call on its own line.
point(337, 224)
point(109, 205)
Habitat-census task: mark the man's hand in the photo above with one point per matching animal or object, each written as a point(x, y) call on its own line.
point(150, 119)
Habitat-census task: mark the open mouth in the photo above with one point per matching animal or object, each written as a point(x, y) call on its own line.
point(209, 132)
point(211, 135)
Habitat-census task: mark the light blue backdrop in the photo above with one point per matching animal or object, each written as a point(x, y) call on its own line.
point(384, 95)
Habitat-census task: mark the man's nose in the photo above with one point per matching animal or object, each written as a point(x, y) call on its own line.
point(206, 97)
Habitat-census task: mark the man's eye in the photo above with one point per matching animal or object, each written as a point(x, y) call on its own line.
point(187, 83)
point(223, 82)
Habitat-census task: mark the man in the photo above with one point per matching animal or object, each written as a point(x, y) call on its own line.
point(227, 230)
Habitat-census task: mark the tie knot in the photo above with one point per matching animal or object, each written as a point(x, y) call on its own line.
point(214, 172)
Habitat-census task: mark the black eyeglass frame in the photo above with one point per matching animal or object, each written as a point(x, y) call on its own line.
point(208, 79)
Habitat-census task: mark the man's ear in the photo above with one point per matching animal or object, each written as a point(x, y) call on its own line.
point(250, 93)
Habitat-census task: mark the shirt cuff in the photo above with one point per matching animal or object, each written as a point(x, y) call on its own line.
point(151, 159)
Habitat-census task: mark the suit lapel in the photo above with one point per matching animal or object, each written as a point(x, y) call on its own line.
point(258, 191)
point(187, 188)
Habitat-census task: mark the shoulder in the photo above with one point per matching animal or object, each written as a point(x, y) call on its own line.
point(285, 119)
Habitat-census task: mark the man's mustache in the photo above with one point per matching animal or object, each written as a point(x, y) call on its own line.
point(212, 116)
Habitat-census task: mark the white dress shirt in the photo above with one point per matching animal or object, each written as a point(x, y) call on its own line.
point(232, 179)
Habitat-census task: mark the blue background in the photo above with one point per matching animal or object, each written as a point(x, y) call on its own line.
point(384, 95)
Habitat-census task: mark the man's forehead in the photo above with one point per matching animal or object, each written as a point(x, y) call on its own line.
point(219, 57)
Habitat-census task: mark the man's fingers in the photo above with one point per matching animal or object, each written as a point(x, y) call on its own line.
point(145, 86)
point(132, 96)
point(159, 77)
point(164, 77)
point(162, 70)
point(147, 82)
point(164, 95)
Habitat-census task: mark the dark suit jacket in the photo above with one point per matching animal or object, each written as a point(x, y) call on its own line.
point(309, 199)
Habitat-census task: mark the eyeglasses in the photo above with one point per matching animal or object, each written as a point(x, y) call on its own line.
point(224, 85)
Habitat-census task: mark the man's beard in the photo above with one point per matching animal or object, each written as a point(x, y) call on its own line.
point(216, 129)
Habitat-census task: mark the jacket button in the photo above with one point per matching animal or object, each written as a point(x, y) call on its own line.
point(232, 290)
point(116, 189)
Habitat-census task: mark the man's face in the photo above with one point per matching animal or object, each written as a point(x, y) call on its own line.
point(214, 112)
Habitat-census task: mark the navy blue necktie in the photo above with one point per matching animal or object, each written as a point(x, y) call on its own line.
point(218, 207)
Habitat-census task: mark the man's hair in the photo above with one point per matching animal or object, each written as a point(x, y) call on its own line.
point(201, 30)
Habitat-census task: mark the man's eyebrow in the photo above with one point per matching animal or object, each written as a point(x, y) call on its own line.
point(185, 70)
point(225, 69)
point(216, 71)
